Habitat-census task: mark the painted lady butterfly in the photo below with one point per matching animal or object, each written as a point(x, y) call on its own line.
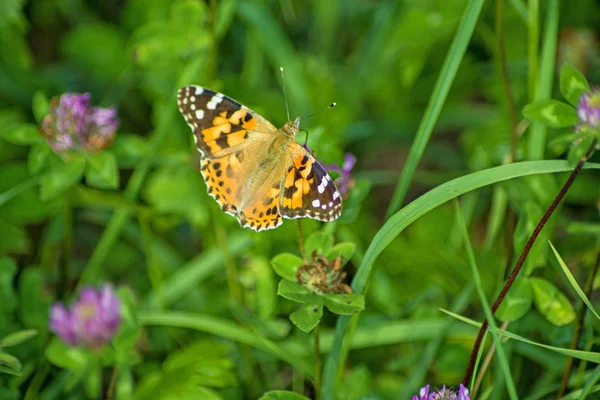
point(256, 173)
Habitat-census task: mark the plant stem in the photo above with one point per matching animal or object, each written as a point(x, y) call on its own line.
point(485, 365)
point(589, 286)
point(318, 364)
point(301, 241)
point(110, 392)
point(523, 256)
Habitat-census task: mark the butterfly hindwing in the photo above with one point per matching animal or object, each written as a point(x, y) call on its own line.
point(308, 191)
point(221, 125)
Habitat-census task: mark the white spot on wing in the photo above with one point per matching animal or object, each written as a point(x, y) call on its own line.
point(199, 114)
point(193, 107)
point(316, 203)
point(199, 90)
point(192, 99)
point(336, 195)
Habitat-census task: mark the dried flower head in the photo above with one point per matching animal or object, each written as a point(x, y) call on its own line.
point(589, 109)
point(91, 321)
point(345, 182)
point(443, 394)
point(321, 275)
point(72, 124)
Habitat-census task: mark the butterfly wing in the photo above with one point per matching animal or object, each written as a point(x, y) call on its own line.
point(221, 125)
point(308, 191)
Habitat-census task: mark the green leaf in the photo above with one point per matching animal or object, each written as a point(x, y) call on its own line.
point(40, 105)
point(320, 242)
point(63, 356)
point(293, 291)
point(286, 265)
point(345, 249)
point(344, 304)
point(11, 362)
point(308, 316)
point(102, 171)
point(15, 338)
point(22, 134)
point(553, 113)
point(573, 282)
point(572, 84)
point(61, 177)
point(517, 302)
point(282, 395)
point(579, 150)
point(551, 303)
point(38, 155)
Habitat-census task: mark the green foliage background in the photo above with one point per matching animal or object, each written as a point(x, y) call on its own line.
point(203, 318)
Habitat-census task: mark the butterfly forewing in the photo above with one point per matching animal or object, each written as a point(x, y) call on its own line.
point(221, 125)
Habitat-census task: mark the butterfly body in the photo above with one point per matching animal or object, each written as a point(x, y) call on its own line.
point(257, 173)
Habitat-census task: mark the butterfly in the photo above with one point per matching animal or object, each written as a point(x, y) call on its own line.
point(256, 172)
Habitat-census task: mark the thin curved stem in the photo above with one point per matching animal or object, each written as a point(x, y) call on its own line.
point(523, 256)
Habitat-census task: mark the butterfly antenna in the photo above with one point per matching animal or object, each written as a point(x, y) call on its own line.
point(320, 111)
point(287, 108)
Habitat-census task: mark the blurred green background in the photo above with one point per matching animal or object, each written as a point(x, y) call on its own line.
point(161, 239)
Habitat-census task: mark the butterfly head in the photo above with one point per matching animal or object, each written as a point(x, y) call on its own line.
point(291, 128)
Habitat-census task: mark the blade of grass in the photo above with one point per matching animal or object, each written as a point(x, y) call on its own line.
point(579, 354)
point(403, 218)
point(573, 282)
point(436, 101)
point(226, 329)
point(510, 385)
point(537, 135)
point(589, 386)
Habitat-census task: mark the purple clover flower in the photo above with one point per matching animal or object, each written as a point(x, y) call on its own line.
point(73, 125)
point(345, 182)
point(443, 394)
point(589, 109)
point(91, 321)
